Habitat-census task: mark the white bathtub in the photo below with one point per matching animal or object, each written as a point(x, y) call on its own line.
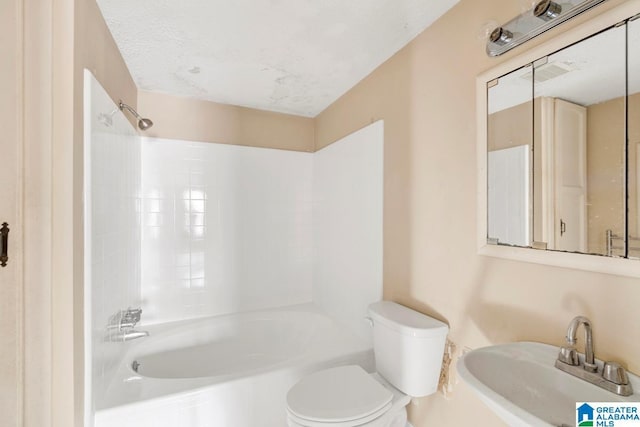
point(226, 371)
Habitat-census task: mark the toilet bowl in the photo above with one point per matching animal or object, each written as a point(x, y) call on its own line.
point(408, 347)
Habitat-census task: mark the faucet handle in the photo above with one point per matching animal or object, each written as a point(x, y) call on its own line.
point(132, 315)
point(569, 355)
point(134, 311)
point(615, 373)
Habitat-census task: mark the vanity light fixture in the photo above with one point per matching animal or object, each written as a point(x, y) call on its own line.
point(545, 15)
point(547, 10)
point(500, 36)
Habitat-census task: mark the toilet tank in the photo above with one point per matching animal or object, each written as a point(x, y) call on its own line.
point(408, 347)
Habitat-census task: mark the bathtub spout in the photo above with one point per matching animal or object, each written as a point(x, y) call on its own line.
point(130, 335)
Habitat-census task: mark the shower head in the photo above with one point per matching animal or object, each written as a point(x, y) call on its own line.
point(143, 123)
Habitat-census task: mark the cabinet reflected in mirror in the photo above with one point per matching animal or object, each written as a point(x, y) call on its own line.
point(557, 150)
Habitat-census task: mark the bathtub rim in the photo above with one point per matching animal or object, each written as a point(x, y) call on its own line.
point(125, 378)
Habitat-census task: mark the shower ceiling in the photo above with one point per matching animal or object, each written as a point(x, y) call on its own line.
point(290, 56)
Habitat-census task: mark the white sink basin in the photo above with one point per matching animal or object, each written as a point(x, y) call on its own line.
point(519, 382)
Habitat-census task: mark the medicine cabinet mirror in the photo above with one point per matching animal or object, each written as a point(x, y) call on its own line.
point(563, 147)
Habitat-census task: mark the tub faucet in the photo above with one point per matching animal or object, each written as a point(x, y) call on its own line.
point(121, 324)
point(612, 377)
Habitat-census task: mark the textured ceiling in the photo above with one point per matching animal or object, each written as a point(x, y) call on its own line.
point(290, 56)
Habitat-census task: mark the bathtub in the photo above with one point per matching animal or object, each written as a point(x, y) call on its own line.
point(225, 371)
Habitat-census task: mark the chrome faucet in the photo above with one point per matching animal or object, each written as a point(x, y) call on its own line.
point(121, 324)
point(589, 357)
point(612, 377)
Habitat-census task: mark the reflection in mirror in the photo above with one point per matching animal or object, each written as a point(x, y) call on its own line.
point(510, 143)
point(580, 132)
point(634, 137)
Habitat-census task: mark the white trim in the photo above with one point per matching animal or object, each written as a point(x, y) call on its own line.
point(601, 264)
point(547, 158)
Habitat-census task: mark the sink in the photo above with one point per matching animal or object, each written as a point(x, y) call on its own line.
point(519, 382)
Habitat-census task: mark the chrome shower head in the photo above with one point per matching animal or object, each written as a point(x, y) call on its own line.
point(143, 123)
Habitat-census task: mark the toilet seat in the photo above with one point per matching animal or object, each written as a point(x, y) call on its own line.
point(352, 423)
point(345, 396)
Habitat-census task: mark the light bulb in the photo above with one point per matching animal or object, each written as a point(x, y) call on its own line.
point(486, 29)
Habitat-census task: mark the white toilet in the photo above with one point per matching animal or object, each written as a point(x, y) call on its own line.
point(408, 348)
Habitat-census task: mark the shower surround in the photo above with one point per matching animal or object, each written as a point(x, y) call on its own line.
point(228, 229)
point(225, 229)
point(204, 236)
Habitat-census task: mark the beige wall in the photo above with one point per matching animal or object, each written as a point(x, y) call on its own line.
point(426, 95)
point(194, 120)
point(510, 127)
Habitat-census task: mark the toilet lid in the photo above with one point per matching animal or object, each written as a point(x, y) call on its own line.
point(339, 394)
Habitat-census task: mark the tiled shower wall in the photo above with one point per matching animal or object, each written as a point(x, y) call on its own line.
point(347, 189)
point(225, 229)
point(229, 228)
point(112, 231)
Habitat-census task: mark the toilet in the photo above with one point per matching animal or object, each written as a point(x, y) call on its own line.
point(408, 348)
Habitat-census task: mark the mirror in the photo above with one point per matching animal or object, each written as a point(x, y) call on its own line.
point(556, 142)
point(509, 158)
point(580, 95)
